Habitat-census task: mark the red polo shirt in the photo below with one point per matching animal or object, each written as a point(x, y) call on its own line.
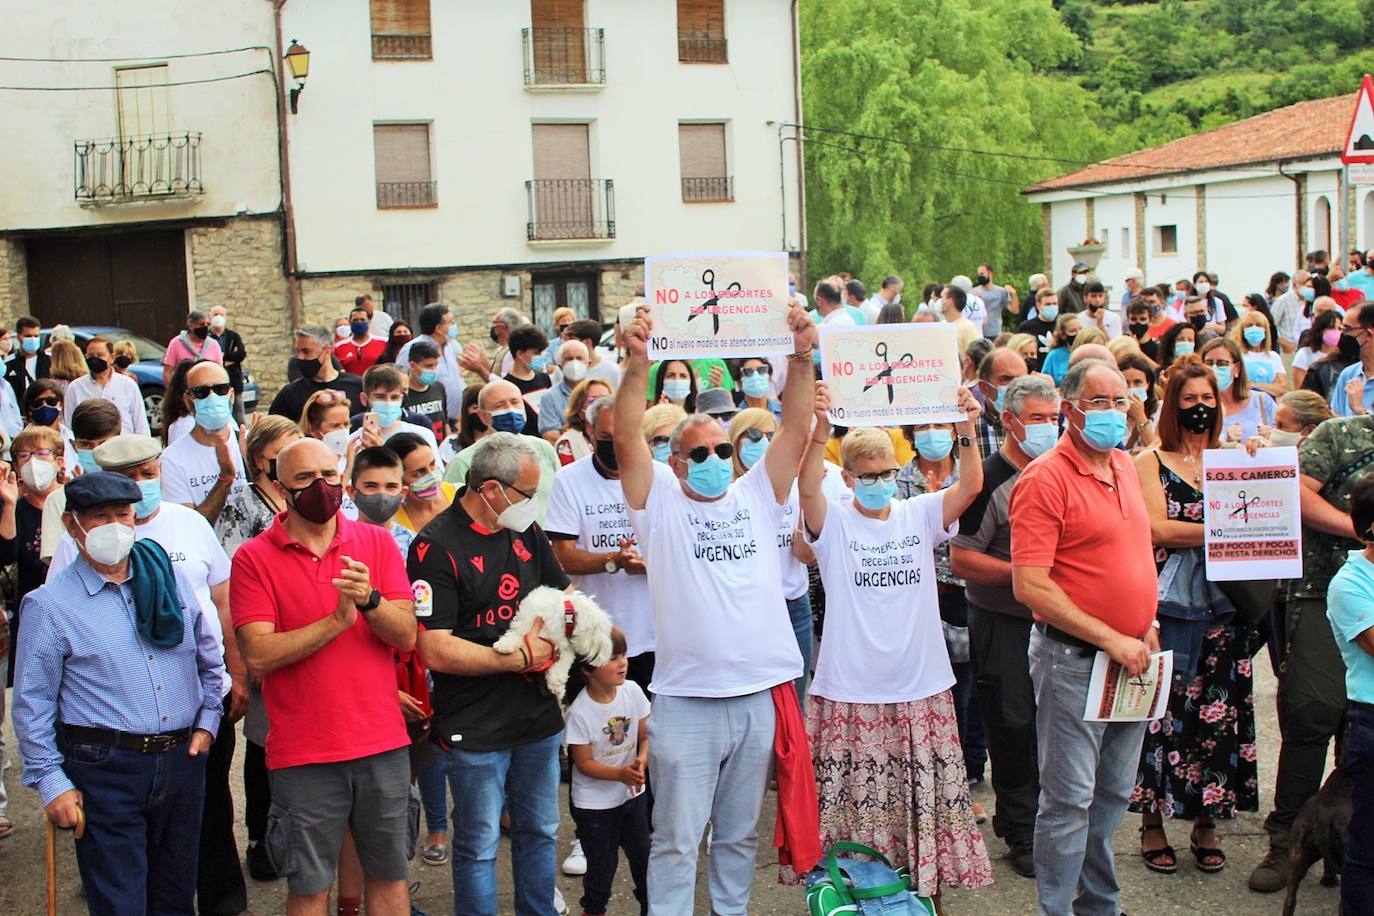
point(1093, 537)
point(339, 703)
point(356, 358)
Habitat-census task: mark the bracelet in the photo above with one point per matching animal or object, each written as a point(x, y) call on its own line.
point(802, 357)
point(819, 441)
point(524, 658)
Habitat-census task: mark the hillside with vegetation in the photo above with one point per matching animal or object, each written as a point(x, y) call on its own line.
point(927, 117)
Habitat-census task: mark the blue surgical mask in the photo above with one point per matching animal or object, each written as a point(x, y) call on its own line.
point(711, 478)
point(750, 451)
point(539, 363)
point(1342, 284)
point(1001, 398)
point(152, 498)
point(453, 332)
point(428, 376)
point(1223, 374)
point(212, 412)
point(677, 389)
point(662, 453)
point(1049, 312)
point(873, 496)
point(755, 386)
point(1308, 293)
point(388, 412)
point(1140, 394)
point(1040, 438)
point(1254, 335)
point(1184, 348)
point(934, 444)
point(508, 421)
point(29, 344)
point(86, 458)
point(1104, 430)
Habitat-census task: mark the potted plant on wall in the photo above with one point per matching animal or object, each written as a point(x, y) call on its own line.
point(1090, 252)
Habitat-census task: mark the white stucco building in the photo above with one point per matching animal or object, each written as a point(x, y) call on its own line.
point(1242, 201)
point(532, 153)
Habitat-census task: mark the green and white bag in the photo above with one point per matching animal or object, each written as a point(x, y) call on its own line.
point(857, 886)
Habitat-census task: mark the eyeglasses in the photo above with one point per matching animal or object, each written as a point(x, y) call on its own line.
point(512, 487)
point(756, 370)
point(1219, 362)
point(1121, 404)
point(724, 452)
point(870, 479)
point(43, 454)
point(757, 435)
point(657, 441)
point(201, 392)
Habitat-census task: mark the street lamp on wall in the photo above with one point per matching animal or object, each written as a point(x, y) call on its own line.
point(297, 59)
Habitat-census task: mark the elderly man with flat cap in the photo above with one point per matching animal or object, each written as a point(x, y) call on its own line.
point(193, 548)
point(117, 699)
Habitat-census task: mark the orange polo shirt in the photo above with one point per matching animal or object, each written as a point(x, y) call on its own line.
point(1094, 538)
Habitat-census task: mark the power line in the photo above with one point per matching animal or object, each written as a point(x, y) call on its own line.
point(106, 60)
point(208, 79)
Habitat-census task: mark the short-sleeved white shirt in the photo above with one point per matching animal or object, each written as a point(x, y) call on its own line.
point(190, 471)
point(611, 730)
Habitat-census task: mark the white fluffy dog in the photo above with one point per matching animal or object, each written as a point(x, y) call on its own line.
point(571, 621)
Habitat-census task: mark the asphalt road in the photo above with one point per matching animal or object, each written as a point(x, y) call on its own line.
point(1187, 893)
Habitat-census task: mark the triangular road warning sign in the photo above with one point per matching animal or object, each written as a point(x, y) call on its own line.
point(1359, 140)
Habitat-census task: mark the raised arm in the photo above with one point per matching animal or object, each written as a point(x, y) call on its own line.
point(960, 496)
point(798, 400)
point(812, 500)
point(631, 451)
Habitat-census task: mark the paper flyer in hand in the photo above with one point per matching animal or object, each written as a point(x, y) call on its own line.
point(1115, 696)
point(891, 374)
point(1251, 515)
point(723, 304)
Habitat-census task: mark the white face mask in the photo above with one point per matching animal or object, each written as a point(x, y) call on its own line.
point(342, 331)
point(109, 544)
point(574, 370)
point(38, 475)
point(337, 441)
point(7, 346)
point(217, 322)
point(516, 517)
point(1282, 437)
point(1203, 287)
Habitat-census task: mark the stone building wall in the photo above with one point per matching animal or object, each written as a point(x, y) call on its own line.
point(14, 282)
point(618, 286)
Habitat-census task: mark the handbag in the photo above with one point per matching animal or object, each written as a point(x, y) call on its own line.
point(847, 885)
point(1252, 598)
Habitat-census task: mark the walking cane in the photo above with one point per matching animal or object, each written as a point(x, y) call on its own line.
point(78, 832)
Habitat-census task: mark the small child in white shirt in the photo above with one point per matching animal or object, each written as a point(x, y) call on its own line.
point(608, 742)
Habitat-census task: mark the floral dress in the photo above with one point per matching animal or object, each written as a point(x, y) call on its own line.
point(1199, 759)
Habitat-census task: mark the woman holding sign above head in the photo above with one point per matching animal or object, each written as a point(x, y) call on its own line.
point(884, 737)
point(1198, 761)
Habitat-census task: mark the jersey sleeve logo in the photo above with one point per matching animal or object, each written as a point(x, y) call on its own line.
point(423, 594)
point(421, 548)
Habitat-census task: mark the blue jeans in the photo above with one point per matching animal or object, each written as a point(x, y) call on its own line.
point(799, 609)
point(142, 842)
point(524, 781)
point(1087, 772)
point(431, 779)
point(1357, 875)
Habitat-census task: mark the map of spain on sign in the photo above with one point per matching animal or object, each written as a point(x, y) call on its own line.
point(891, 374)
point(724, 304)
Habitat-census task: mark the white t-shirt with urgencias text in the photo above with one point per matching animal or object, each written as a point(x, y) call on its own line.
point(589, 507)
point(883, 640)
point(611, 730)
point(721, 624)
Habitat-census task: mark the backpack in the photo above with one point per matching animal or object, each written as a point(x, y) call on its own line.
point(848, 885)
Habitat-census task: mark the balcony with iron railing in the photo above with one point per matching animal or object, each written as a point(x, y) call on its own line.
point(570, 209)
point(702, 49)
point(706, 190)
point(401, 195)
point(412, 46)
point(145, 168)
point(564, 58)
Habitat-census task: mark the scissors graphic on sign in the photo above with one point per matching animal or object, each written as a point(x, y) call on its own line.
point(708, 276)
point(1245, 504)
point(880, 351)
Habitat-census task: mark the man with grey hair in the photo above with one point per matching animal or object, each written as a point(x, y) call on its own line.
point(890, 292)
point(501, 408)
point(503, 322)
point(498, 727)
point(192, 344)
point(1096, 352)
point(726, 654)
point(1287, 310)
point(999, 625)
point(313, 361)
point(1082, 560)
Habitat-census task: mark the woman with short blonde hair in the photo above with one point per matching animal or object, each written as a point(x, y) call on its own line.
point(576, 442)
point(657, 427)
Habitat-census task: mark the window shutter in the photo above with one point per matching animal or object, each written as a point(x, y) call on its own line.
point(400, 17)
point(402, 152)
point(560, 151)
point(701, 18)
point(556, 14)
point(703, 150)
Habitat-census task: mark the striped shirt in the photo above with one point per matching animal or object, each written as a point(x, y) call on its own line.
point(81, 661)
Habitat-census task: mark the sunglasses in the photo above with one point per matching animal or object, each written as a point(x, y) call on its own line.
point(870, 479)
point(756, 370)
point(757, 435)
point(724, 452)
point(201, 392)
point(329, 396)
point(47, 402)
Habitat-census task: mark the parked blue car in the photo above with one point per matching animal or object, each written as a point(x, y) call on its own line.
point(148, 370)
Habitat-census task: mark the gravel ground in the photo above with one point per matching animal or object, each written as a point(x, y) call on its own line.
point(22, 874)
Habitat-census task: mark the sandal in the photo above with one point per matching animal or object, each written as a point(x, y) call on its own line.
point(6, 828)
point(1203, 853)
point(1154, 857)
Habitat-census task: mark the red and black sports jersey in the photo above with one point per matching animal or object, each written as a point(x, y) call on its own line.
point(470, 580)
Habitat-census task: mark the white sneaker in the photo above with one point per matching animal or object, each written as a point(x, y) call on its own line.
point(576, 862)
point(560, 906)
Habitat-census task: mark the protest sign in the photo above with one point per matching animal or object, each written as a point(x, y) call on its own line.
point(1115, 696)
point(1251, 515)
point(891, 374)
point(724, 304)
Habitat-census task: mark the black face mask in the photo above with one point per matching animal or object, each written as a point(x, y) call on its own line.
point(1139, 329)
point(1198, 322)
point(983, 280)
point(202, 331)
point(96, 365)
point(308, 368)
point(1349, 347)
point(605, 453)
point(123, 362)
point(1198, 418)
point(492, 335)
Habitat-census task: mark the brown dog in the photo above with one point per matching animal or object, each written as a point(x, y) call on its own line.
point(1319, 832)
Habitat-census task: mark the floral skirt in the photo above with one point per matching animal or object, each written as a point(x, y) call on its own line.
point(891, 776)
point(1200, 758)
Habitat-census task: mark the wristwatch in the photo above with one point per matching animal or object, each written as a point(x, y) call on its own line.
point(611, 566)
point(373, 600)
point(965, 442)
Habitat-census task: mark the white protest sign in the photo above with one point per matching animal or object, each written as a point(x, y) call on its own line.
point(1251, 515)
point(722, 304)
point(891, 374)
